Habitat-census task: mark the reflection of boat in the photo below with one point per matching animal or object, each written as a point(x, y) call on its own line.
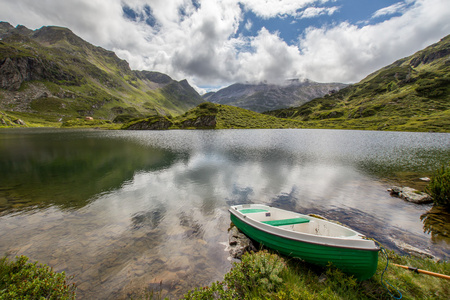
point(311, 239)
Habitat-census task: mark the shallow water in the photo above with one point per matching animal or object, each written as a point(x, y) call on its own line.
point(135, 210)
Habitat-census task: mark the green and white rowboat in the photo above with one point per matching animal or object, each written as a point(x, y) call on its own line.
point(311, 239)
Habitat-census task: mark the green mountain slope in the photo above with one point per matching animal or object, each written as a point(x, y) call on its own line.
point(412, 94)
point(213, 116)
point(51, 74)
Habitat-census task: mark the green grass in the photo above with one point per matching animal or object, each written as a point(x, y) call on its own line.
point(216, 116)
point(82, 123)
point(299, 280)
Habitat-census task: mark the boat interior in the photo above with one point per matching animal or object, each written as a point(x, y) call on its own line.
point(297, 222)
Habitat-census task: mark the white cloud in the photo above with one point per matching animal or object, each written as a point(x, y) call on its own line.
point(347, 52)
point(248, 25)
point(271, 59)
point(201, 43)
point(390, 10)
point(272, 8)
point(312, 12)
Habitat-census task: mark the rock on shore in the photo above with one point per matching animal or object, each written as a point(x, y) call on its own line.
point(410, 194)
point(239, 243)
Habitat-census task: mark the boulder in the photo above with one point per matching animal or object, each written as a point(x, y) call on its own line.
point(410, 194)
point(239, 243)
point(20, 122)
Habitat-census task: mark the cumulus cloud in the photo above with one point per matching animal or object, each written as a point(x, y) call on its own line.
point(271, 59)
point(346, 52)
point(202, 40)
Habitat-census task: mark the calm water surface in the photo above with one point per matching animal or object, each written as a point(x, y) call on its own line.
point(128, 211)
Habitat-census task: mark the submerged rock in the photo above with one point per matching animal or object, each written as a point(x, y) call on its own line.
point(410, 195)
point(411, 250)
point(239, 243)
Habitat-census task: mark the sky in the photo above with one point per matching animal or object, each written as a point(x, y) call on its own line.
point(214, 43)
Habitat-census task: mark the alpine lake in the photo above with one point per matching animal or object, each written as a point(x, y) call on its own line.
point(125, 212)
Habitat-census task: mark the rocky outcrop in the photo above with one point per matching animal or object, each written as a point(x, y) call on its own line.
point(10, 76)
point(410, 195)
point(429, 57)
point(15, 70)
point(154, 76)
point(20, 122)
point(155, 123)
point(239, 243)
point(5, 28)
point(206, 122)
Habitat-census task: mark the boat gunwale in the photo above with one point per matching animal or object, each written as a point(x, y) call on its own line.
point(244, 219)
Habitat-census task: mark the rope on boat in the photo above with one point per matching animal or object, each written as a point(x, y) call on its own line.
point(387, 264)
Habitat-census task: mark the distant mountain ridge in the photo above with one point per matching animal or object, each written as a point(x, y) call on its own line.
point(411, 94)
point(263, 97)
point(54, 74)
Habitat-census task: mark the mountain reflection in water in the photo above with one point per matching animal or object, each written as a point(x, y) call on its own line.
point(125, 211)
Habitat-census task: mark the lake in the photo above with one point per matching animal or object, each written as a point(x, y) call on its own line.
point(126, 211)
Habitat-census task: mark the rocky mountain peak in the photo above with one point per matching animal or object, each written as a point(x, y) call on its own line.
point(52, 35)
point(269, 96)
point(5, 27)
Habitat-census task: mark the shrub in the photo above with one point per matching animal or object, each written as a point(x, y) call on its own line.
point(257, 273)
point(439, 187)
point(217, 290)
point(20, 279)
point(261, 269)
point(209, 107)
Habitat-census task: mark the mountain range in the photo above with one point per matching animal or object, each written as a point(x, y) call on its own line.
point(50, 76)
point(264, 97)
point(53, 74)
point(411, 94)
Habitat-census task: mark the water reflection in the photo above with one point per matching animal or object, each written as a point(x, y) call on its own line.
point(437, 223)
point(68, 168)
point(149, 209)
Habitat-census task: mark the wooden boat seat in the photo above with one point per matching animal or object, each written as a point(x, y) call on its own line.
point(286, 222)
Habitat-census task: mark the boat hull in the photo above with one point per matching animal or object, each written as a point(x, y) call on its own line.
point(361, 263)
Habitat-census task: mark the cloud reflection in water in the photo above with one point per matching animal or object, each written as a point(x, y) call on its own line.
point(166, 221)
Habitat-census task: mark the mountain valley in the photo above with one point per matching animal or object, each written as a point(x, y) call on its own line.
point(51, 77)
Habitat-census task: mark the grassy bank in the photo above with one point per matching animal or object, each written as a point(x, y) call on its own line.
point(260, 275)
point(263, 275)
